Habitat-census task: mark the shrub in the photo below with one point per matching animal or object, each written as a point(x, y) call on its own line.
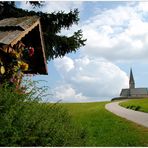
point(137, 108)
point(27, 122)
point(133, 107)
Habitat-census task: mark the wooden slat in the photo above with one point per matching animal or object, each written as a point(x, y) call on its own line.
point(43, 49)
point(23, 22)
point(13, 36)
point(8, 36)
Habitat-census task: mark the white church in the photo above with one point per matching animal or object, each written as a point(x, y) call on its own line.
point(132, 91)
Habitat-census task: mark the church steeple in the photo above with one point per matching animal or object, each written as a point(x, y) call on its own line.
point(131, 80)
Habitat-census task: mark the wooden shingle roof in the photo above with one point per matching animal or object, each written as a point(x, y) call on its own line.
point(13, 29)
point(23, 22)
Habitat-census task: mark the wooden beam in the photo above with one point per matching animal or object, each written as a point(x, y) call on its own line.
point(43, 48)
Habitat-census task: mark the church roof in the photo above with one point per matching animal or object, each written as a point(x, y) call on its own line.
point(134, 92)
point(131, 80)
point(124, 92)
point(139, 91)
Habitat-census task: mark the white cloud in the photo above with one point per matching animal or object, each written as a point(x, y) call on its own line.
point(68, 94)
point(113, 17)
point(118, 34)
point(143, 6)
point(90, 78)
point(66, 65)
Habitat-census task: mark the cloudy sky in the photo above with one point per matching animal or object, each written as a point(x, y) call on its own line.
point(117, 39)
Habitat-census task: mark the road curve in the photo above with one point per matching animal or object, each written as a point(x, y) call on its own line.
point(135, 116)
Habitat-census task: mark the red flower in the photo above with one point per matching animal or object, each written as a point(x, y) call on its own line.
point(31, 51)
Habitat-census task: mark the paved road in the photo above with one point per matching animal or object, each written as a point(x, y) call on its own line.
point(135, 116)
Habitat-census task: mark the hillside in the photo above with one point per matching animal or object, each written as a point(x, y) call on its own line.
point(104, 128)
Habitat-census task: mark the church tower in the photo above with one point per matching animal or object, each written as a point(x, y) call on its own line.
point(131, 80)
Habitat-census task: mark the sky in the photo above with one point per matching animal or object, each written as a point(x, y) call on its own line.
point(117, 40)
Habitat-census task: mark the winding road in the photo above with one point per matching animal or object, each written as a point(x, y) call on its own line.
point(135, 116)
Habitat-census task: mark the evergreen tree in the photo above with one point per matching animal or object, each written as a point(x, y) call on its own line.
point(52, 23)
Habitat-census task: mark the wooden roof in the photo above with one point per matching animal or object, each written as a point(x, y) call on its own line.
point(13, 30)
point(23, 22)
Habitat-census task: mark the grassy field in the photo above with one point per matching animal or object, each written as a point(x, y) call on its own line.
point(136, 104)
point(105, 129)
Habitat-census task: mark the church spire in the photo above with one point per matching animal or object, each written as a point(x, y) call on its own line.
point(131, 80)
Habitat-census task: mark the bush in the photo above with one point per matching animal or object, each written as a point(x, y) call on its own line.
point(27, 122)
point(137, 108)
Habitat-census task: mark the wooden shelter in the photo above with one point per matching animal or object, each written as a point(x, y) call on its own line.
point(24, 33)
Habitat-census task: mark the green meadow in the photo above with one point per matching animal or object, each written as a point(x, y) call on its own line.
point(136, 104)
point(25, 121)
point(104, 128)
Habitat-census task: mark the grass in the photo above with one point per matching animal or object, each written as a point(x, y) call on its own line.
point(104, 128)
point(25, 122)
point(136, 104)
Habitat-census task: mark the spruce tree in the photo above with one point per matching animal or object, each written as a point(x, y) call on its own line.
point(55, 45)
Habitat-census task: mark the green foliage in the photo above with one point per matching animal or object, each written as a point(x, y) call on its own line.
point(35, 3)
point(105, 128)
point(136, 104)
point(26, 122)
point(133, 107)
point(52, 23)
